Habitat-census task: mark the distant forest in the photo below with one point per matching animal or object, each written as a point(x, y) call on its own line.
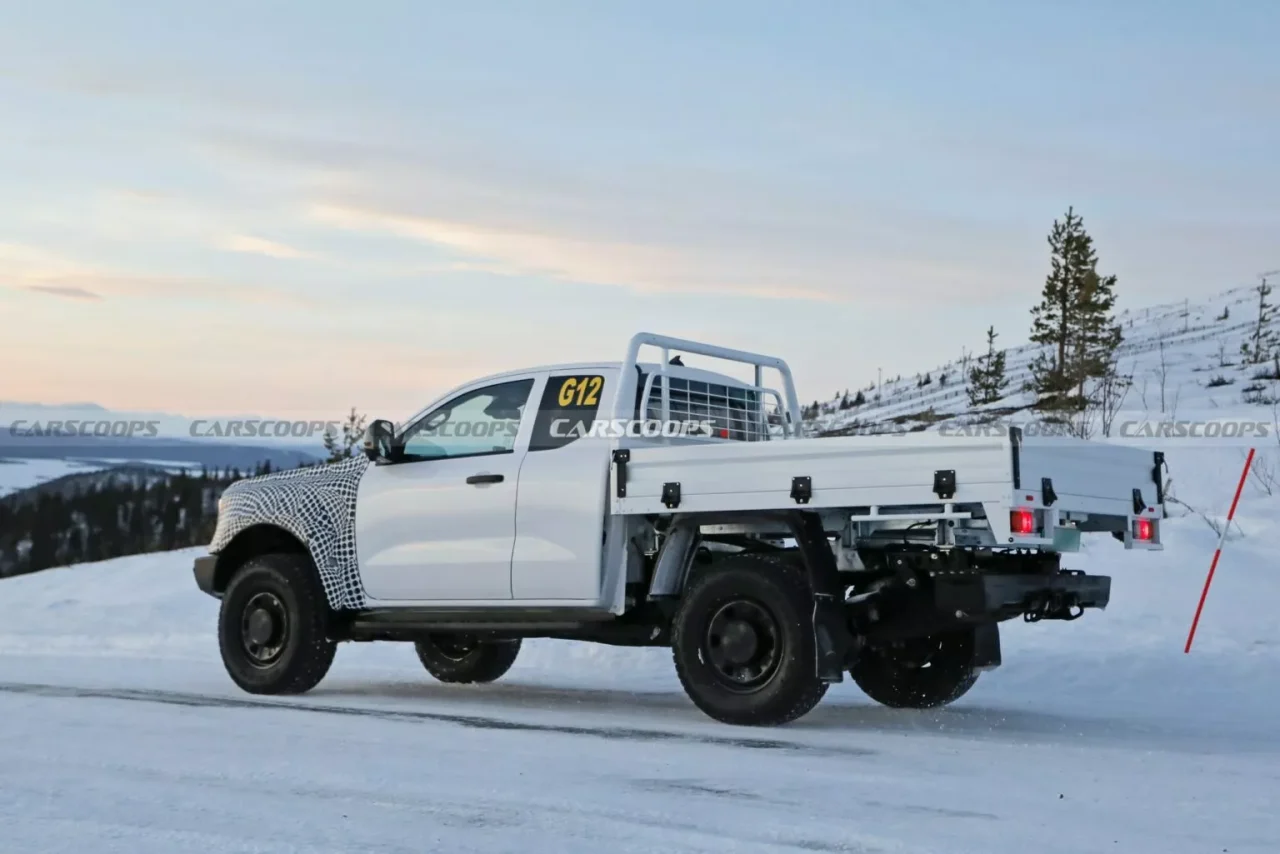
point(124, 511)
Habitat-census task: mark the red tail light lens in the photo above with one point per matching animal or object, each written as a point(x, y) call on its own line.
point(1144, 529)
point(1022, 521)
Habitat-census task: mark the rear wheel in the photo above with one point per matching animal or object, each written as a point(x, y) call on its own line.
point(743, 642)
point(921, 673)
point(272, 626)
point(462, 658)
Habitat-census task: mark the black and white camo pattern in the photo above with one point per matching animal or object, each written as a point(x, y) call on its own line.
point(318, 506)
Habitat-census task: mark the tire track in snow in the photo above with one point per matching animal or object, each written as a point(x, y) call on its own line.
point(177, 698)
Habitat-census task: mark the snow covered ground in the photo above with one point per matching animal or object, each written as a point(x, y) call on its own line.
point(119, 731)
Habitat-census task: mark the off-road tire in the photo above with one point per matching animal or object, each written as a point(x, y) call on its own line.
point(455, 658)
point(768, 587)
point(285, 587)
point(923, 673)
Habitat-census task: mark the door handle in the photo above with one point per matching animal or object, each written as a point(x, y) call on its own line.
point(477, 479)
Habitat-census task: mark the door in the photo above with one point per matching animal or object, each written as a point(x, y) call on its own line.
point(564, 480)
point(439, 523)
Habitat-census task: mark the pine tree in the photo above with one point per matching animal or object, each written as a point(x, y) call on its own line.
point(1261, 343)
point(332, 451)
point(1097, 334)
point(1074, 319)
point(339, 448)
point(987, 380)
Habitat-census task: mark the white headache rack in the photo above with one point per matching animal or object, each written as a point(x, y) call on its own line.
point(662, 381)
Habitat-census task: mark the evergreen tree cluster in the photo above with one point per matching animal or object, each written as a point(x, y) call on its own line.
point(110, 516)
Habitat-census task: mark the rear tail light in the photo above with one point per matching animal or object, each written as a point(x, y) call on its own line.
point(1022, 521)
point(1144, 529)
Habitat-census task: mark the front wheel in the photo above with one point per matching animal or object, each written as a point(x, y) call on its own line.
point(743, 642)
point(461, 658)
point(921, 673)
point(272, 626)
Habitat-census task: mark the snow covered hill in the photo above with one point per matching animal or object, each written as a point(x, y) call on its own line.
point(1184, 358)
point(19, 474)
point(121, 732)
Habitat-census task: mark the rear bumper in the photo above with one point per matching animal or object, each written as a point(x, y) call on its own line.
point(205, 570)
point(988, 596)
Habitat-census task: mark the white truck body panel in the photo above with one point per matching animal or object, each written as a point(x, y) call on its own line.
point(560, 511)
point(851, 471)
point(887, 476)
point(1092, 477)
point(423, 533)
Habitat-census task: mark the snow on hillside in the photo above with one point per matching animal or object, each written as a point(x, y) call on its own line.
point(1095, 735)
point(18, 474)
point(1189, 343)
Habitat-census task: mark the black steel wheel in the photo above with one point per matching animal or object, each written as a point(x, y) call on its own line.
point(919, 673)
point(458, 657)
point(743, 643)
point(264, 628)
point(272, 626)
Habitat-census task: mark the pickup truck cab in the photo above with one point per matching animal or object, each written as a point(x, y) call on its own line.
point(658, 504)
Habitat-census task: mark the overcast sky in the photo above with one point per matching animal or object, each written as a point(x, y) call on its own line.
point(294, 208)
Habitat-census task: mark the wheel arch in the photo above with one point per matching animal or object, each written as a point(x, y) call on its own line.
point(255, 541)
point(813, 554)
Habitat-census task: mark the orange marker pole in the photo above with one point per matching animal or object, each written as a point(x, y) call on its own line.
point(1222, 538)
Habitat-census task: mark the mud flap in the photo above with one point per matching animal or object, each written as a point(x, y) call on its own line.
point(832, 639)
point(986, 646)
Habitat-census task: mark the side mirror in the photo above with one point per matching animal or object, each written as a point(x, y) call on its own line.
point(379, 441)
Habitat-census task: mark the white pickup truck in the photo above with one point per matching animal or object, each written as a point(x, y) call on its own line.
point(654, 504)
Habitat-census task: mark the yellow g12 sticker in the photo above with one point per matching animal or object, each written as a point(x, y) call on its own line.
point(580, 391)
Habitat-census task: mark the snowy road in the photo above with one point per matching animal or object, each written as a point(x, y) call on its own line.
point(397, 767)
point(120, 732)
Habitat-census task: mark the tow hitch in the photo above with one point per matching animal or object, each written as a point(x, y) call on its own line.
point(1063, 595)
point(1052, 605)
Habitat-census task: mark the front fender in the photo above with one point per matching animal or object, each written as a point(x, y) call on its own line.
point(315, 504)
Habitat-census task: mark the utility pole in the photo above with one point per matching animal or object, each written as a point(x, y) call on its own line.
point(879, 382)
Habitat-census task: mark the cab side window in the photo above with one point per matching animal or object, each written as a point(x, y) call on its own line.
point(475, 423)
point(569, 407)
